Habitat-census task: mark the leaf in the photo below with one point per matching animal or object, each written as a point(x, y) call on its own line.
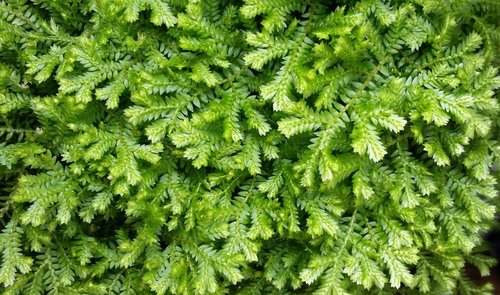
point(202, 73)
point(111, 93)
point(482, 262)
point(161, 14)
point(361, 185)
point(396, 262)
point(391, 122)
point(293, 126)
point(365, 140)
point(13, 261)
point(364, 271)
point(435, 149)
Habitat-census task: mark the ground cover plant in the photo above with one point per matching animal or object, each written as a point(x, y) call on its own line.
point(246, 147)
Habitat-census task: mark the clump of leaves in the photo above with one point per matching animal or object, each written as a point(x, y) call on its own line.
point(246, 147)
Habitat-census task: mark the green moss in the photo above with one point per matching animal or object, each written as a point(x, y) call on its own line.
point(246, 147)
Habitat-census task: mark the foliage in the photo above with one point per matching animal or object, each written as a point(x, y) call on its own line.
point(246, 147)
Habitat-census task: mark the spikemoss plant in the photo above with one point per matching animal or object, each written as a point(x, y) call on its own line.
point(246, 146)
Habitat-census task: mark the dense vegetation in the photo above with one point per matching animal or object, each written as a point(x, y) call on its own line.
point(246, 146)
